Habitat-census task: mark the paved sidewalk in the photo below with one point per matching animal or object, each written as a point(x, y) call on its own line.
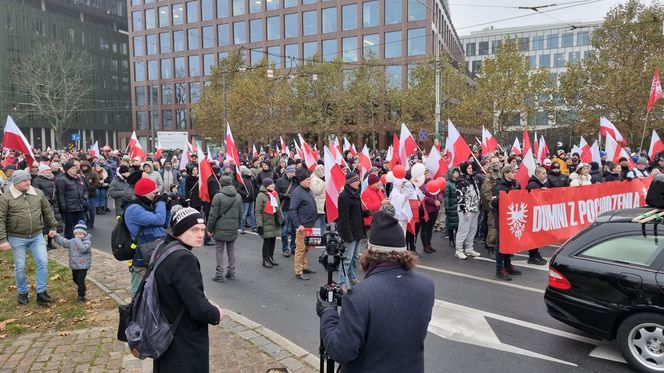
point(236, 345)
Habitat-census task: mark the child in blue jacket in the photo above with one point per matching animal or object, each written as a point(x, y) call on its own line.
point(80, 256)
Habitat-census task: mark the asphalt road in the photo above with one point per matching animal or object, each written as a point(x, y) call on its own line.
point(479, 323)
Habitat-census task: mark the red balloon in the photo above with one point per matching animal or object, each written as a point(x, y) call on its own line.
point(433, 187)
point(399, 172)
point(442, 183)
point(383, 179)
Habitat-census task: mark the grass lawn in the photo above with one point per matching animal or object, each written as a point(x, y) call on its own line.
point(62, 315)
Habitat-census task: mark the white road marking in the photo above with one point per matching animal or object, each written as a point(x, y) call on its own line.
point(478, 278)
point(608, 351)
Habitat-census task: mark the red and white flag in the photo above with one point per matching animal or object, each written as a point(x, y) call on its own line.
point(158, 153)
point(395, 160)
point(389, 155)
point(231, 148)
point(254, 152)
point(184, 159)
point(309, 158)
point(594, 151)
point(542, 150)
point(334, 181)
point(13, 139)
point(536, 146)
point(606, 128)
point(346, 144)
point(298, 150)
point(656, 145)
point(585, 155)
point(516, 147)
point(436, 164)
point(284, 148)
point(456, 146)
point(364, 161)
point(204, 172)
point(614, 152)
point(94, 150)
point(407, 145)
point(135, 148)
point(489, 142)
point(527, 167)
point(655, 91)
point(336, 146)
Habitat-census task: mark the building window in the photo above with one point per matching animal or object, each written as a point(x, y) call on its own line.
point(393, 73)
point(192, 12)
point(309, 50)
point(208, 37)
point(256, 56)
point(136, 21)
point(349, 17)
point(329, 20)
point(559, 60)
point(290, 25)
point(154, 94)
point(255, 6)
point(470, 49)
point(370, 43)
point(224, 55)
point(181, 118)
point(329, 49)
point(207, 13)
point(139, 46)
point(416, 42)
point(139, 71)
point(166, 68)
point(532, 62)
point(178, 14)
point(552, 41)
point(524, 44)
point(136, 2)
point(274, 56)
point(483, 48)
point(178, 41)
point(166, 94)
point(194, 66)
point(150, 19)
point(568, 39)
point(476, 66)
point(538, 42)
point(290, 3)
point(141, 120)
point(180, 93)
point(192, 39)
point(582, 38)
point(208, 64)
point(305, 2)
point(272, 4)
point(349, 46)
point(416, 10)
point(393, 12)
point(151, 42)
point(195, 92)
point(545, 60)
point(370, 14)
point(180, 71)
point(239, 33)
point(256, 30)
point(392, 44)
point(495, 45)
point(273, 28)
point(223, 35)
point(165, 42)
point(309, 26)
point(167, 118)
point(574, 57)
point(163, 16)
point(291, 55)
point(222, 8)
point(140, 96)
point(238, 7)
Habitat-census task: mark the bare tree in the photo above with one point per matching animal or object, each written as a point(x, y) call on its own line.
point(55, 79)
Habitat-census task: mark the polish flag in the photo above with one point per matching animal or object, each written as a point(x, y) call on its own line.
point(457, 146)
point(298, 150)
point(334, 181)
point(395, 160)
point(542, 150)
point(316, 153)
point(536, 148)
point(350, 147)
point(336, 146)
point(346, 145)
point(284, 148)
point(575, 149)
point(159, 152)
point(436, 164)
point(231, 148)
point(388, 156)
point(407, 145)
point(516, 147)
point(136, 150)
point(527, 167)
point(309, 158)
point(656, 145)
point(254, 152)
point(94, 150)
point(655, 91)
point(489, 143)
point(184, 159)
point(204, 172)
point(364, 161)
point(607, 128)
point(614, 152)
point(594, 151)
point(209, 155)
point(585, 154)
point(13, 139)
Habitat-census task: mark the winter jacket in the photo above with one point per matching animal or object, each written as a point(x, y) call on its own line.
point(372, 200)
point(655, 195)
point(635, 173)
point(451, 206)
point(169, 178)
point(191, 192)
point(121, 192)
point(150, 219)
point(80, 252)
point(92, 181)
point(72, 195)
point(47, 186)
point(487, 189)
point(468, 195)
point(285, 187)
point(535, 183)
point(595, 174)
point(429, 200)
point(610, 176)
point(318, 187)
point(156, 177)
point(557, 180)
point(350, 223)
point(502, 185)
point(365, 338)
point(563, 165)
point(213, 185)
point(303, 209)
point(579, 180)
point(262, 175)
point(24, 214)
point(271, 223)
point(225, 214)
point(180, 287)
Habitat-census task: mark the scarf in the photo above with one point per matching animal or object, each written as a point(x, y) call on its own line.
point(271, 205)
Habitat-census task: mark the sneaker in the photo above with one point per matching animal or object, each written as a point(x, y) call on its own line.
point(241, 231)
point(301, 277)
point(308, 271)
point(267, 264)
point(230, 275)
point(512, 271)
point(537, 260)
point(253, 229)
point(23, 298)
point(80, 300)
point(460, 255)
point(286, 253)
point(274, 263)
point(50, 247)
point(503, 275)
point(218, 278)
point(472, 253)
point(44, 298)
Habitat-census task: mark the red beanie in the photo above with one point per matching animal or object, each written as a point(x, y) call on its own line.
point(144, 186)
point(373, 179)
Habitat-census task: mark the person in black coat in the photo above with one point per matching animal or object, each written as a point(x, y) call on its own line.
point(538, 181)
point(303, 214)
point(285, 186)
point(595, 173)
point(248, 191)
point(45, 182)
point(191, 189)
point(180, 289)
point(613, 172)
point(365, 337)
point(350, 226)
point(72, 198)
point(504, 268)
point(556, 178)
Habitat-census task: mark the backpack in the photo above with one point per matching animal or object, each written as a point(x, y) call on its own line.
point(122, 244)
point(142, 323)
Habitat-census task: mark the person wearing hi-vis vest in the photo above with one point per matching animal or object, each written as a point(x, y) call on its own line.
point(268, 220)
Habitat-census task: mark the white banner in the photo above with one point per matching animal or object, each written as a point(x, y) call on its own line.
point(171, 140)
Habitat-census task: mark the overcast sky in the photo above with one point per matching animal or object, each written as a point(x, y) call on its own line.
point(467, 15)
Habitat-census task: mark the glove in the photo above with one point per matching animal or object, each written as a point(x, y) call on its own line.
point(259, 230)
point(163, 197)
point(323, 305)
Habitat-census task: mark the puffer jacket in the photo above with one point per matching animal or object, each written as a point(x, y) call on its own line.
point(91, 178)
point(579, 180)
point(47, 186)
point(318, 187)
point(150, 219)
point(80, 253)
point(451, 205)
point(303, 211)
point(535, 183)
point(72, 195)
point(271, 223)
point(225, 214)
point(24, 214)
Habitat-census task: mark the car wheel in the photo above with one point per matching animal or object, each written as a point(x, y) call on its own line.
point(641, 341)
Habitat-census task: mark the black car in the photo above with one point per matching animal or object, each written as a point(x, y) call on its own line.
point(608, 280)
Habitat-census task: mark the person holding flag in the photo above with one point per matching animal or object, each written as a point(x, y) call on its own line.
point(269, 220)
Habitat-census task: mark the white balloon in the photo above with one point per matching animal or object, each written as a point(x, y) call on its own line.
point(417, 170)
point(390, 177)
point(418, 181)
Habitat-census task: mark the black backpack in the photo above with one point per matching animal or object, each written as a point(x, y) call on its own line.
point(122, 245)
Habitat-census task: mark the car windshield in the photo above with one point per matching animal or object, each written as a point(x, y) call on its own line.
point(633, 249)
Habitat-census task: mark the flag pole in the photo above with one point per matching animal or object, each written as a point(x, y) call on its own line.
point(643, 134)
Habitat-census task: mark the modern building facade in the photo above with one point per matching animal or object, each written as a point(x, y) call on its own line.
point(550, 46)
point(174, 44)
point(98, 26)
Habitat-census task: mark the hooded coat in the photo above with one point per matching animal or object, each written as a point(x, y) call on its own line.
point(350, 223)
point(121, 192)
point(225, 214)
point(271, 223)
point(451, 203)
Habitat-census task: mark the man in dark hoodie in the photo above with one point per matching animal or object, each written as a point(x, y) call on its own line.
point(265, 173)
point(538, 181)
point(556, 178)
point(350, 226)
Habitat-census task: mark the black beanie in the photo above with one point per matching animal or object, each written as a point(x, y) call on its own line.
point(122, 169)
point(183, 219)
point(302, 174)
point(386, 234)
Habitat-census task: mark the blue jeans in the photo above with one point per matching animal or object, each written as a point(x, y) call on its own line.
point(321, 222)
point(248, 211)
point(284, 233)
point(348, 265)
point(37, 247)
point(101, 199)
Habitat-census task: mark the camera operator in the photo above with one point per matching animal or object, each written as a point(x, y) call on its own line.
point(365, 337)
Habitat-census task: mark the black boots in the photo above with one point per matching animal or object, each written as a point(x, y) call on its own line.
point(230, 275)
point(23, 298)
point(44, 298)
point(81, 300)
point(271, 260)
point(266, 263)
point(451, 233)
point(218, 278)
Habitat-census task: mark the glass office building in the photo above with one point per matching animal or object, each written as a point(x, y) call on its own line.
point(99, 27)
point(174, 43)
